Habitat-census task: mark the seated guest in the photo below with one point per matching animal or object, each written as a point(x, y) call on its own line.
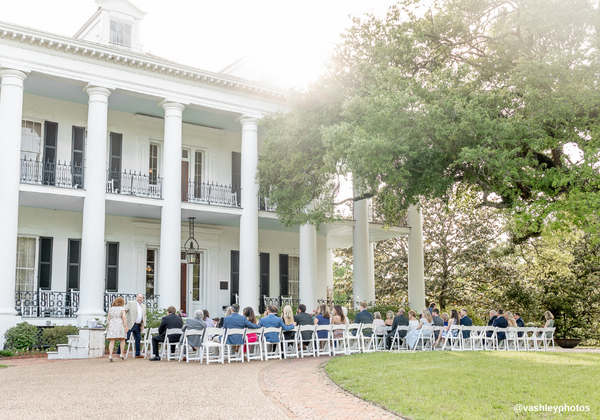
point(389, 318)
point(445, 332)
point(413, 322)
point(209, 322)
point(431, 308)
point(549, 324)
point(437, 321)
point(338, 318)
point(364, 317)
point(520, 323)
point(490, 323)
point(302, 318)
point(195, 323)
point(170, 321)
point(466, 321)
point(346, 315)
point(248, 312)
point(235, 320)
point(445, 317)
point(500, 322)
point(227, 313)
point(413, 336)
point(288, 319)
point(399, 321)
point(512, 323)
point(272, 320)
point(217, 321)
point(324, 318)
point(378, 322)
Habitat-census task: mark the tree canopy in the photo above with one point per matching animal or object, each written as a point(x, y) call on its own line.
point(501, 96)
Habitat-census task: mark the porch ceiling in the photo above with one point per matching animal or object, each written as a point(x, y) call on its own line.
point(54, 198)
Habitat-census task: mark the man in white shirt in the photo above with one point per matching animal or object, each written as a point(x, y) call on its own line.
point(136, 320)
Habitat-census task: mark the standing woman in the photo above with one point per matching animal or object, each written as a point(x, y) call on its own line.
point(117, 327)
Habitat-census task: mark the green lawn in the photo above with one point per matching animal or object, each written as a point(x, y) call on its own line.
point(472, 385)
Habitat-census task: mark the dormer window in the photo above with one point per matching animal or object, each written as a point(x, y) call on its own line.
point(120, 33)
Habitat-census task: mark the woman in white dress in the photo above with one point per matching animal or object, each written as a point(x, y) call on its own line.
point(413, 322)
point(453, 320)
point(117, 327)
point(413, 336)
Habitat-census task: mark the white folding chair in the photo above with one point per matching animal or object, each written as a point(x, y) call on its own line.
point(214, 350)
point(238, 354)
point(501, 343)
point(466, 338)
point(424, 338)
point(491, 342)
point(168, 346)
point(338, 344)
point(397, 341)
point(275, 352)
point(522, 339)
point(547, 338)
point(290, 346)
point(379, 336)
point(367, 342)
point(353, 338)
point(150, 332)
point(512, 339)
point(254, 350)
point(452, 339)
point(307, 347)
point(187, 351)
point(131, 346)
point(323, 344)
point(436, 333)
point(477, 336)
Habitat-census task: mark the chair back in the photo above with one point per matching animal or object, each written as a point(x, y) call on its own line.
point(235, 331)
point(308, 328)
point(354, 327)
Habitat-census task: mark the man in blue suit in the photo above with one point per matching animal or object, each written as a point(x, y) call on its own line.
point(466, 321)
point(272, 320)
point(501, 322)
point(520, 322)
point(236, 320)
point(364, 317)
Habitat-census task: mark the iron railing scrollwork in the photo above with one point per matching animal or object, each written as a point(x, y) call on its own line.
point(134, 183)
point(211, 193)
point(42, 304)
point(151, 301)
point(63, 175)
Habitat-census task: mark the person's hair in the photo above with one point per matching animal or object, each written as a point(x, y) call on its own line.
point(436, 310)
point(272, 309)
point(432, 305)
point(413, 313)
point(302, 307)
point(364, 305)
point(118, 302)
point(401, 311)
point(288, 315)
point(171, 310)
point(454, 314)
point(325, 311)
point(228, 311)
point(500, 311)
point(377, 315)
point(427, 315)
point(493, 312)
point(235, 308)
point(511, 319)
point(199, 314)
point(206, 314)
point(216, 320)
point(548, 315)
point(465, 311)
point(249, 314)
point(339, 311)
point(518, 314)
point(389, 315)
point(445, 316)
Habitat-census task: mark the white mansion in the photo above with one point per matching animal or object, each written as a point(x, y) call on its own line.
point(107, 151)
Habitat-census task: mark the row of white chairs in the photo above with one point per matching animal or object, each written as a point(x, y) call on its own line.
point(461, 338)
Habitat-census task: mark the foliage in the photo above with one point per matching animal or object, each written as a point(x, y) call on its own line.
point(471, 385)
point(153, 317)
point(22, 336)
point(501, 96)
point(58, 335)
point(6, 353)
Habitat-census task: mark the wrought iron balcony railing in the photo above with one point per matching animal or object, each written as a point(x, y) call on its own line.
point(63, 175)
point(265, 204)
point(42, 303)
point(210, 193)
point(134, 183)
point(151, 301)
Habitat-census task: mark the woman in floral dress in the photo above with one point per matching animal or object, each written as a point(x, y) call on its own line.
point(117, 327)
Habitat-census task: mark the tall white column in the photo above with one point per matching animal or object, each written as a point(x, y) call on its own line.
point(416, 269)
point(363, 283)
point(308, 266)
point(11, 113)
point(329, 257)
point(249, 261)
point(169, 268)
point(93, 255)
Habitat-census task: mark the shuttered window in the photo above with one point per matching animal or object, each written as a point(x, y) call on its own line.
point(235, 275)
point(116, 143)
point(283, 274)
point(45, 264)
point(77, 158)
point(112, 266)
point(236, 175)
point(73, 260)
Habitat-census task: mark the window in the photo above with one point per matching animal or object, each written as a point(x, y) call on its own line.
point(112, 266)
point(116, 143)
point(25, 275)
point(150, 271)
point(77, 156)
point(294, 277)
point(235, 277)
point(198, 175)
point(31, 140)
point(236, 175)
point(196, 273)
point(45, 264)
point(73, 260)
point(120, 33)
point(153, 164)
point(50, 140)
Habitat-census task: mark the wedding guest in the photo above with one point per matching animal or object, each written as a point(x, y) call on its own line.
point(287, 315)
point(445, 332)
point(413, 322)
point(323, 318)
point(413, 336)
point(248, 312)
point(338, 319)
point(389, 318)
point(117, 327)
point(445, 317)
point(209, 322)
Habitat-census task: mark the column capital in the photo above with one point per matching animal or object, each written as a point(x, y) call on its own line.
point(247, 119)
point(168, 105)
point(98, 93)
point(13, 77)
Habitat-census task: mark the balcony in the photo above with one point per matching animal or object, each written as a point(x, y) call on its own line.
point(210, 193)
point(133, 183)
point(42, 304)
point(62, 175)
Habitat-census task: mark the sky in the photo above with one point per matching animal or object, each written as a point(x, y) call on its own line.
point(292, 39)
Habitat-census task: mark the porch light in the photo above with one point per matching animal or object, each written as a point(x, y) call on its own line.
point(191, 253)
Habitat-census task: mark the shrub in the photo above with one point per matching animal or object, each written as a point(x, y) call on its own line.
point(6, 353)
point(153, 317)
point(58, 335)
point(22, 336)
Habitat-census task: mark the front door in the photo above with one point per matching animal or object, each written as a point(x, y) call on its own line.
point(197, 286)
point(185, 170)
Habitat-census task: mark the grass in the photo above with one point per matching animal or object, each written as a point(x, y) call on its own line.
point(472, 385)
point(3, 366)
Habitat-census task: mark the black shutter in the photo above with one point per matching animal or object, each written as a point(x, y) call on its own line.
point(73, 264)
point(116, 143)
point(77, 157)
point(50, 140)
point(112, 266)
point(45, 264)
point(283, 274)
point(235, 275)
point(236, 175)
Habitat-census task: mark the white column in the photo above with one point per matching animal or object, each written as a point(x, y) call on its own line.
point(363, 281)
point(308, 266)
point(249, 262)
point(416, 270)
point(169, 268)
point(11, 113)
point(93, 255)
point(329, 263)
